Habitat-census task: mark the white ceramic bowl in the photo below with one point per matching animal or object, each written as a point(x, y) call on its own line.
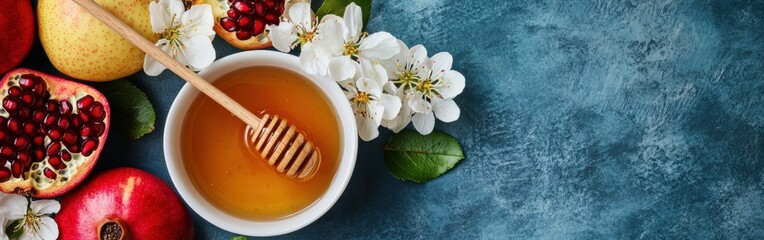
point(218, 217)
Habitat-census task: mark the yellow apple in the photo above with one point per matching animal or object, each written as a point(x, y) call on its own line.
point(82, 47)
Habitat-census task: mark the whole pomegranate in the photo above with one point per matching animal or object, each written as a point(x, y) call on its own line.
point(242, 22)
point(51, 133)
point(17, 26)
point(124, 203)
point(82, 47)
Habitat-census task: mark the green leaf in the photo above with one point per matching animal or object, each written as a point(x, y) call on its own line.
point(14, 230)
point(337, 7)
point(421, 158)
point(132, 114)
point(237, 237)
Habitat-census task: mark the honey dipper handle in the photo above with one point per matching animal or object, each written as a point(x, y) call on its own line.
point(139, 41)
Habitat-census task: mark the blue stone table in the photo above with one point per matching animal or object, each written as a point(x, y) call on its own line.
point(580, 120)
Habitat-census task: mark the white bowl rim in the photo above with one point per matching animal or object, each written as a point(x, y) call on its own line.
point(197, 202)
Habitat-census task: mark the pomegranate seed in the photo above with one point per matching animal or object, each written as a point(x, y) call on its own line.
point(271, 18)
point(49, 173)
point(84, 117)
point(27, 98)
point(244, 7)
point(76, 121)
point(70, 138)
point(270, 3)
point(3, 135)
point(89, 145)
point(259, 8)
point(21, 142)
point(280, 8)
point(86, 131)
point(55, 160)
point(243, 35)
point(38, 140)
point(66, 108)
point(17, 169)
point(6, 151)
point(51, 106)
point(97, 112)
point(99, 128)
point(228, 24)
point(14, 91)
point(258, 27)
point(27, 81)
point(24, 113)
point(5, 174)
point(23, 156)
point(55, 133)
point(66, 156)
point(2, 120)
point(74, 148)
point(50, 119)
point(63, 123)
point(85, 102)
point(38, 115)
point(11, 104)
point(244, 21)
point(30, 127)
point(38, 155)
point(232, 13)
point(53, 148)
point(14, 126)
point(41, 88)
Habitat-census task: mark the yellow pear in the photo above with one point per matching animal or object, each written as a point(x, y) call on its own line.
point(82, 47)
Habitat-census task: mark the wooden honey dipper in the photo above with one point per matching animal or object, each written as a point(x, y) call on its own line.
point(285, 147)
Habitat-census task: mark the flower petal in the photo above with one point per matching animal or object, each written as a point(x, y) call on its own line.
point(282, 36)
point(353, 20)
point(150, 65)
point(424, 122)
point(441, 62)
point(367, 128)
point(400, 121)
point(329, 39)
point(379, 46)
point(198, 20)
point(308, 59)
point(341, 68)
point(199, 51)
point(369, 86)
point(417, 56)
point(159, 18)
point(395, 64)
point(392, 105)
point(451, 84)
point(45, 206)
point(48, 229)
point(12, 206)
point(301, 15)
point(418, 104)
point(445, 110)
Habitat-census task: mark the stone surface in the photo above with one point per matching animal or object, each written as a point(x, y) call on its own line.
point(580, 120)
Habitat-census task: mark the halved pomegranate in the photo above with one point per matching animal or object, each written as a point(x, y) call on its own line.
point(242, 22)
point(51, 133)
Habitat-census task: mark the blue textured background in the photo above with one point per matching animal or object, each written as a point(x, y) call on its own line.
point(580, 119)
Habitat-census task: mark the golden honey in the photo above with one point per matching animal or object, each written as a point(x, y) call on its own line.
point(239, 181)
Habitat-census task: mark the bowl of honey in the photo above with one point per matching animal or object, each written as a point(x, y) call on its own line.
point(225, 180)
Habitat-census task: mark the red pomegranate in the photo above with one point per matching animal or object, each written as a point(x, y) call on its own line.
point(18, 28)
point(123, 203)
point(51, 133)
point(242, 22)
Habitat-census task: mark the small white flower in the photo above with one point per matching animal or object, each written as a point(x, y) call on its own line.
point(370, 105)
point(341, 43)
point(299, 29)
point(404, 70)
point(434, 92)
point(185, 35)
point(36, 222)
